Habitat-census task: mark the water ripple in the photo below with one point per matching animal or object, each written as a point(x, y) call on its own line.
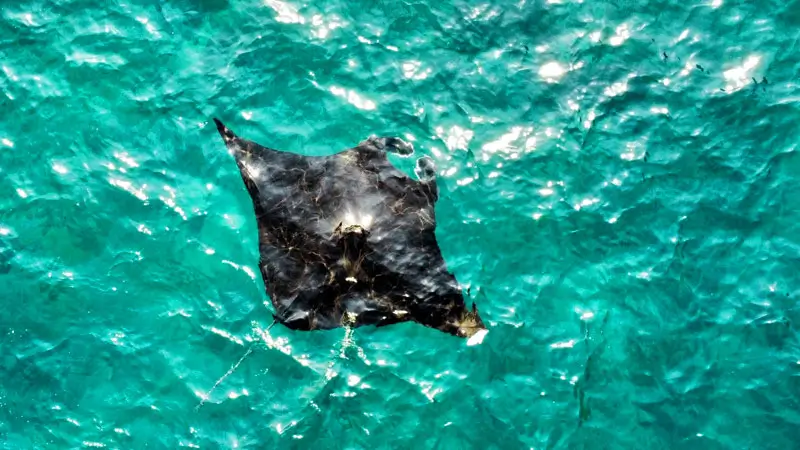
point(616, 184)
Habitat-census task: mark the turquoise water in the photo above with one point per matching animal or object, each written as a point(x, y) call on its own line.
point(618, 189)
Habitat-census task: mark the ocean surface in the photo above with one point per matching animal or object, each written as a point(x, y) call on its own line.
point(620, 191)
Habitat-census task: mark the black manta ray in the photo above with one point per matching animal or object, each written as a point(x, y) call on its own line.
point(348, 239)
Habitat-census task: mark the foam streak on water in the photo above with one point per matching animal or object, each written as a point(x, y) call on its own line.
point(618, 187)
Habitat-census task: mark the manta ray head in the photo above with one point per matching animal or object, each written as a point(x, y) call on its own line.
point(352, 241)
point(352, 237)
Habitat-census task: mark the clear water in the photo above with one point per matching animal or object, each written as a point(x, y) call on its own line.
point(619, 190)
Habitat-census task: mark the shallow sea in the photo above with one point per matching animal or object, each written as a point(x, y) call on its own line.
point(619, 190)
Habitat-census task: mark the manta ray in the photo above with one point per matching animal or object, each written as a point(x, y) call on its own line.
point(348, 240)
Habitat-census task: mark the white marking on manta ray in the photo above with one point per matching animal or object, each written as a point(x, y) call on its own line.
point(253, 171)
point(351, 217)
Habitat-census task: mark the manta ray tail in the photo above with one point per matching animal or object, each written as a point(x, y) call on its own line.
point(226, 133)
